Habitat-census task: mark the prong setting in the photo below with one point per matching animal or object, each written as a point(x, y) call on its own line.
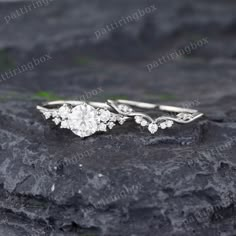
point(84, 120)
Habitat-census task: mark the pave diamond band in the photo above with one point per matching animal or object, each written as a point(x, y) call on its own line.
point(85, 119)
point(178, 114)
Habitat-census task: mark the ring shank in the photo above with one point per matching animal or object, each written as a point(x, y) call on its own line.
point(142, 105)
point(75, 103)
point(160, 107)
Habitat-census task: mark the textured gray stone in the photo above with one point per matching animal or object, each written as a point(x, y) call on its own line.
point(126, 182)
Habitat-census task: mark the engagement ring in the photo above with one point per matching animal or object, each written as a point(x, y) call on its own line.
point(83, 119)
point(86, 118)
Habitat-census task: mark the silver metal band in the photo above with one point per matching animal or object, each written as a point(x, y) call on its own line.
point(125, 102)
point(172, 109)
point(87, 118)
point(74, 103)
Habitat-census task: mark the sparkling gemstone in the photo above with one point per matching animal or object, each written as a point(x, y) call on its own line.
point(124, 108)
point(83, 120)
point(64, 124)
point(169, 123)
point(121, 120)
point(64, 111)
point(111, 125)
point(57, 121)
point(47, 114)
point(163, 125)
point(102, 127)
point(185, 116)
point(153, 128)
point(55, 114)
point(105, 115)
point(144, 123)
point(113, 117)
point(138, 119)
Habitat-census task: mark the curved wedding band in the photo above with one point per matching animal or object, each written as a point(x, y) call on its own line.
point(87, 118)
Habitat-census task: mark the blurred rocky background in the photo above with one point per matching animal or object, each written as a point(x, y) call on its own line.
point(126, 182)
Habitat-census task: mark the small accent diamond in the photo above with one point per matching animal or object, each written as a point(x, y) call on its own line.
point(57, 121)
point(163, 125)
point(185, 116)
point(55, 114)
point(64, 124)
point(138, 119)
point(102, 127)
point(111, 125)
point(64, 111)
point(153, 128)
point(169, 123)
point(124, 108)
point(105, 115)
point(113, 117)
point(47, 114)
point(121, 120)
point(144, 123)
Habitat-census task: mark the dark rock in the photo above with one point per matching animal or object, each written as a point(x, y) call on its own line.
point(125, 182)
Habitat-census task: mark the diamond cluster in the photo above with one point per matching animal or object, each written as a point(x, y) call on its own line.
point(84, 120)
point(152, 126)
point(185, 116)
point(125, 109)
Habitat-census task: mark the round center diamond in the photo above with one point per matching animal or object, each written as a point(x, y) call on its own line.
point(83, 120)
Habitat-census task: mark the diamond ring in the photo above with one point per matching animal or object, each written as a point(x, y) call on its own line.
point(86, 118)
point(178, 114)
point(82, 118)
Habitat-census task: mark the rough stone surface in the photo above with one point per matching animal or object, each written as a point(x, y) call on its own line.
point(127, 182)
